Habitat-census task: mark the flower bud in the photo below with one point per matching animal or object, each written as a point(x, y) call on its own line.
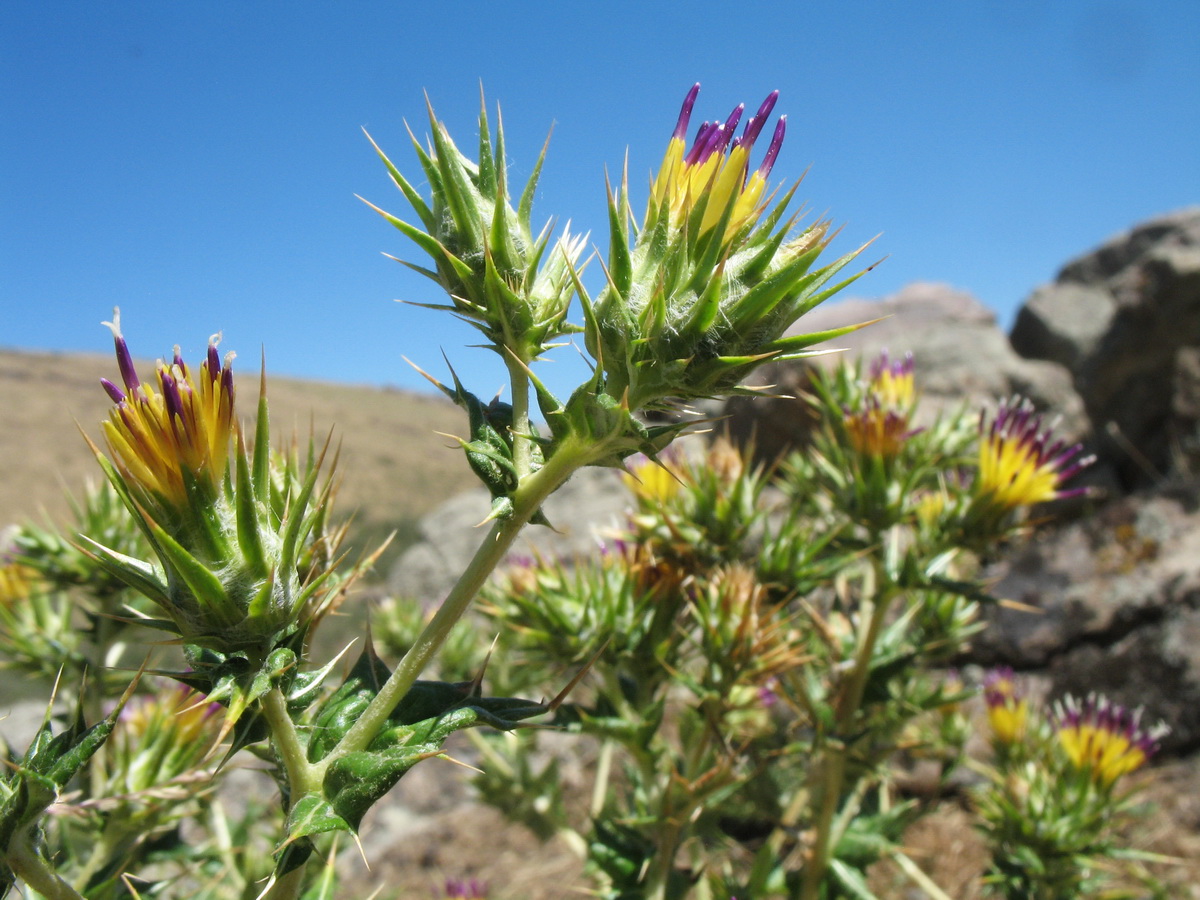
point(513, 286)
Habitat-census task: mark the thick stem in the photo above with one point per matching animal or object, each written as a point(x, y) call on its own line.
point(527, 499)
point(301, 774)
point(521, 449)
point(23, 859)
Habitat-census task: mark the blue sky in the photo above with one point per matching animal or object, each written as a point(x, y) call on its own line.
point(196, 163)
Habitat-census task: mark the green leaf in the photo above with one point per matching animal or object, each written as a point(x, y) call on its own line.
point(313, 814)
point(850, 880)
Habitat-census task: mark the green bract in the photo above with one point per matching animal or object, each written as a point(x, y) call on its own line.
point(706, 288)
point(511, 285)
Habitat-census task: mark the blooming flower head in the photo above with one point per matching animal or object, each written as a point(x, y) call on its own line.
point(716, 170)
point(1020, 462)
point(1007, 708)
point(891, 380)
point(177, 434)
point(709, 285)
point(244, 556)
point(877, 431)
point(1104, 739)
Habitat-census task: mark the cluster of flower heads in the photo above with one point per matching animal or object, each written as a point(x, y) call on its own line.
point(880, 426)
point(1104, 739)
point(715, 170)
point(167, 439)
point(1099, 737)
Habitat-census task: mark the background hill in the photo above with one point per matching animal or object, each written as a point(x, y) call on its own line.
point(394, 467)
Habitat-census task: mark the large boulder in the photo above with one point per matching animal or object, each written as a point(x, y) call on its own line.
point(960, 353)
point(1125, 321)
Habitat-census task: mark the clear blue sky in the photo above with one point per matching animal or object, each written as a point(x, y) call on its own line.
point(196, 162)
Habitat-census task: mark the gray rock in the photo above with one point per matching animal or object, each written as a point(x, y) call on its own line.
point(591, 503)
point(1125, 321)
point(960, 354)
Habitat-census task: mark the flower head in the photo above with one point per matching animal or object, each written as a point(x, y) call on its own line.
point(877, 431)
point(513, 284)
point(652, 481)
point(1007, 708)
point(891, 380)
point(1104, 739)
point(708, 285)
point(243, 553)
point(175, 433)
point(715, 173)
point(1020, 462)
point(162, 737)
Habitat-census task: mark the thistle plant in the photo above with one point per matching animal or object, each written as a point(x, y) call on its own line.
point(1052, 804)
point(228, 545)
point(760, 647)
point(748, 657)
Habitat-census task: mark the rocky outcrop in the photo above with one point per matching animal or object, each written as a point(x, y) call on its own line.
point(961, 355)
point(1124, 320)
point(1110, 603)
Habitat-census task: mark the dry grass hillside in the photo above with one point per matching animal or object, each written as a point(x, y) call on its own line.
point(394, 467)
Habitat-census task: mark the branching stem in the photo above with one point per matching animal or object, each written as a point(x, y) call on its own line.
point(527, 499)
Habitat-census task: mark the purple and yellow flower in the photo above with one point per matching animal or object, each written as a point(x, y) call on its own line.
point(1020, 462)
point(1007, 708)
point(708, 286)
point(877, 421)
point(239, 534)
point(716, 170)
point(173, 433)
point(1104, 739)
point(891, 380)
point(877, 431)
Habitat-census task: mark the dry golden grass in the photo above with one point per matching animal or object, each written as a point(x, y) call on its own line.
point(393, 466)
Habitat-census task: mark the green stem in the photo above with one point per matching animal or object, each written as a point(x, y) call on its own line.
point(301, 774)
point(28, 865)
point(527, 499)
point(286, 887)
point(519, 379)
point(833, 767)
